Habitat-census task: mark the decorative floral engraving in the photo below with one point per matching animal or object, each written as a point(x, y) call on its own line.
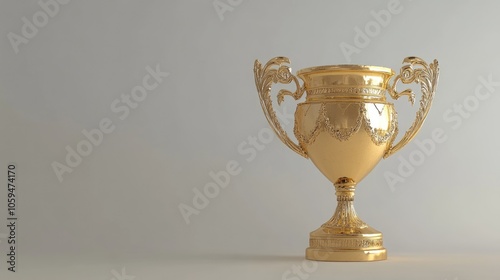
point(264, 78)
point(324, 123)
point(427, 76)
point(341, 133)
point(381, 136)
point(348, 90)
point(346, 243)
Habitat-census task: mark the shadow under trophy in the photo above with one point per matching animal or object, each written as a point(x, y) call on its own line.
point(346, 126)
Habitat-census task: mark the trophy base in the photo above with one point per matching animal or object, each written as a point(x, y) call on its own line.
point(328, 244)
point(332, 255)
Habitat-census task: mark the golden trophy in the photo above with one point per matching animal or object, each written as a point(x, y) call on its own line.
point(346, 126)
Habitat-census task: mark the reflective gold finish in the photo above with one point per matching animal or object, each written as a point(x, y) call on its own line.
point(346, 126)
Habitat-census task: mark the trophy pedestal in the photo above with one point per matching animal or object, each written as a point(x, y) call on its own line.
point(363, 246)
point(345, 237)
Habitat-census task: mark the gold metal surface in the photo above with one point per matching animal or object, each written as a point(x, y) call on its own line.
point(346, 126)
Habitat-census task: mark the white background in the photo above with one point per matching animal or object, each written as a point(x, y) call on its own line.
point(121, 203)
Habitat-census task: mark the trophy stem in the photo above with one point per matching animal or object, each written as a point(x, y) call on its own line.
point(345, 219)
point(345, 237)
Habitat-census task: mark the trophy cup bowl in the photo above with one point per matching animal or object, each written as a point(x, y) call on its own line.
point(346, 126)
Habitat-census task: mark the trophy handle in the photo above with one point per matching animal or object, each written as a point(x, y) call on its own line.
point(275, 72)
point(427, 76)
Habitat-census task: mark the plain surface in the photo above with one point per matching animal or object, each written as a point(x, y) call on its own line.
point(419, 266)
point(124, 197)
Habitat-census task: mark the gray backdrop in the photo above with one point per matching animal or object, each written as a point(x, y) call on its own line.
point(117, 112)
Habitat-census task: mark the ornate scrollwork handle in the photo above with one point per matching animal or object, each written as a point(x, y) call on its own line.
point(275, 72)
point(427, 76)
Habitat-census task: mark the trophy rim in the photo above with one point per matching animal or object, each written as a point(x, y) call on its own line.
point(346, 68)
